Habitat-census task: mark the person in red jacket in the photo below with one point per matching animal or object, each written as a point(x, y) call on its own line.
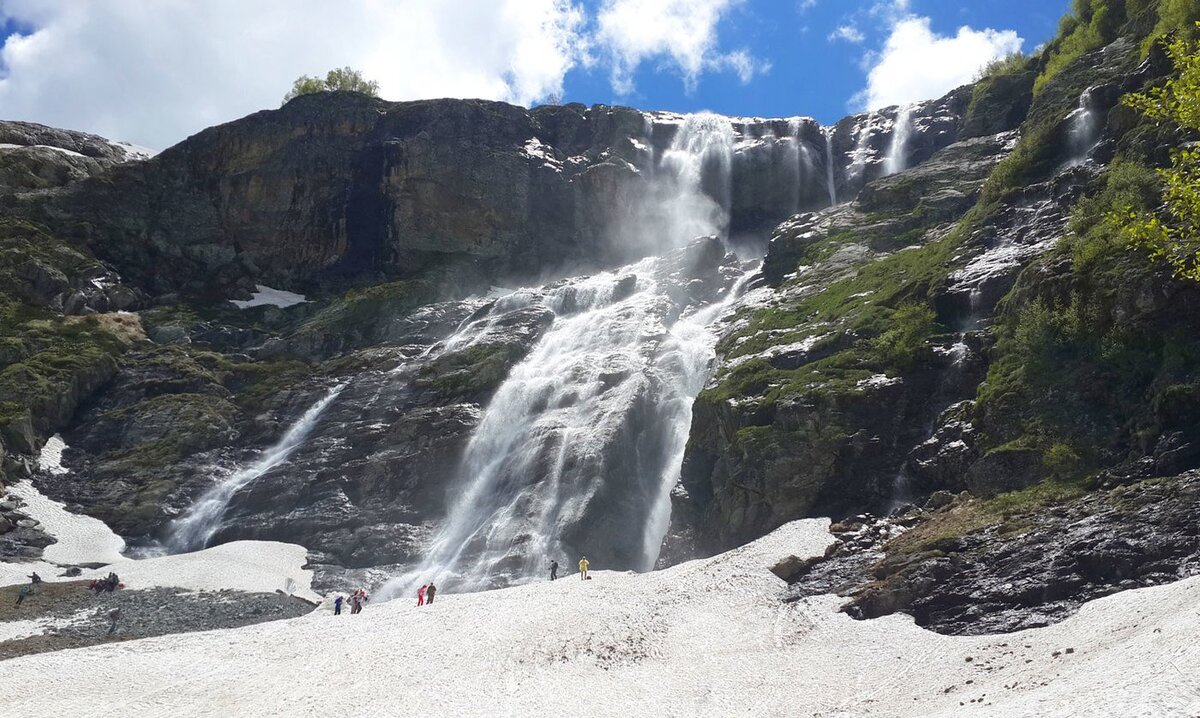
point(421, 596)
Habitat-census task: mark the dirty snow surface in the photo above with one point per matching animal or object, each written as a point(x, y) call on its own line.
point(710, 637)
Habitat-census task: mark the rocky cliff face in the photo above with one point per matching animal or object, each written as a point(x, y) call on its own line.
point(347, 189)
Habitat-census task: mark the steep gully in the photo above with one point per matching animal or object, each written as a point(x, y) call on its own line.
point(580, 446)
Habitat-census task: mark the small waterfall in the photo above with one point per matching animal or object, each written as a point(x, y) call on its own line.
point(901, 490)
point(897, 156)
point(193, 530)
point(829, 182)
point(1083, 128)
point(802, 158)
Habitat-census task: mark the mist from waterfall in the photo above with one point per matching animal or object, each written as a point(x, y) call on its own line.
point(693, 183)
point(799, 156)
point(193, 530)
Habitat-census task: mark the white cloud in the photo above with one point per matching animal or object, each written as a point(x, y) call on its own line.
point(680, 33)
point(849, 33)
point(917, 64)
point(805, 5)
point(153, 72)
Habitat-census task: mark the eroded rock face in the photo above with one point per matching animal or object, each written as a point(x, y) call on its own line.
point(340, 188)
point(1038, 567)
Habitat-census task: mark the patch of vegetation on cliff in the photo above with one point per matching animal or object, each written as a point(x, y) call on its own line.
point(1097, 347)
point(943, 528)
point(162, 430)
point(359, 317)
point(53, 362)
point(1094, 23)
point(472, 373)
point(255, 383)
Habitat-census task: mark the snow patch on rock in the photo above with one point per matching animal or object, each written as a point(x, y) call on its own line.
point(268, 296)
point(80, 539)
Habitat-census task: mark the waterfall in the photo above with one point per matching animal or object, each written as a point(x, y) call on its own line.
point(897, 156)
point(1083, 128)
point(580, 446)
point(802, 160)
point(688, 360)
point(193, 530)
point(598, 411)
point(693, 183)
point(829, 183)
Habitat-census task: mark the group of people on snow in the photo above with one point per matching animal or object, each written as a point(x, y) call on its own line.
point(109, 583)
point(583, 569)
point(426, 592)
point(356, 601)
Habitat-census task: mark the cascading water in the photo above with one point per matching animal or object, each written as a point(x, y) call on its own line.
point(1083, 128)
point(829, 182)
point(193, 530)
point(897, 156)
point(800, 156)
point(688, 359)
point(599, 411)
point(580, 446)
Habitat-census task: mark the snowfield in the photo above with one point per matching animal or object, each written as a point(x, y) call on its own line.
point(710, 637)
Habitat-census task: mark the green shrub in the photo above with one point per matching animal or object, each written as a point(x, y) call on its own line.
point(1173, 233)
point(1061, 462)
point(905, 342)
point(341, 79)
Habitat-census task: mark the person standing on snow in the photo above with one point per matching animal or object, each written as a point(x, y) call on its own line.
point(583, 568)
point(337, 605)
point(355, 603)
point(429, 593)
point(553, 570)
point(421, 595)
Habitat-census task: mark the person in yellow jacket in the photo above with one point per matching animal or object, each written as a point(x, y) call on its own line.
point(583, 567)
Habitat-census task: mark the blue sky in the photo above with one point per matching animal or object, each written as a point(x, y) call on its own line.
point(154, 72)
point(809, 74)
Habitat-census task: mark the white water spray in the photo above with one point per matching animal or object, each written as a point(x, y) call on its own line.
point(1083, 128)
point(193, 530)
point(694, 180)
